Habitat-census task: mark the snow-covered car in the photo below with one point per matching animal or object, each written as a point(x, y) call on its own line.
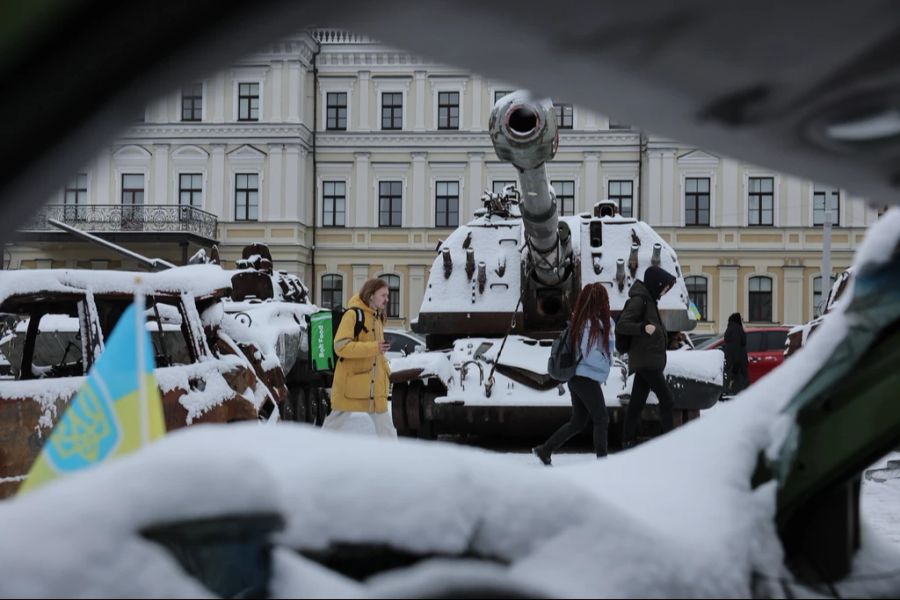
point(64, 316)
point(403, 343)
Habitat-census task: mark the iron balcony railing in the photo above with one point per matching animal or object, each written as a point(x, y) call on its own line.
point(153, 218)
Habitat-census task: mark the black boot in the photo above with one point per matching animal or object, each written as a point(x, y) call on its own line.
point(542, 454)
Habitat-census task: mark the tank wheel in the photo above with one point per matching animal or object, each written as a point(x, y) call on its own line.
point(312, 406)
point(398, 408)
point(426, 426)
point(324, 405)
point(294, 405)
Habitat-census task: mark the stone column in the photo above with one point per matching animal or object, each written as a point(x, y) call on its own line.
point(296, 90)
point(419, 198)
point(417, 282)
point(728, 296)
point(792, 298)
point(277, 69)
point(730, 204)
point(293, 181)
point(476, 177)
point(670, 205)
point(359, 217)
point(420, 101)
point(477, 123)
point(216, 202)
point(160, 175)
point(218, 99)
point(654, 214)
point(590, 193)
point(360, 275)
point(364, 99)
point(103, 184)
point(275, 208)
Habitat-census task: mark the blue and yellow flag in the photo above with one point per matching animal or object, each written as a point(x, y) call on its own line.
point(694, 312)
point(117, 411)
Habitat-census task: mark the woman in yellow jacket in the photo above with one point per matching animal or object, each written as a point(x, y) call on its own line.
point(362, 374)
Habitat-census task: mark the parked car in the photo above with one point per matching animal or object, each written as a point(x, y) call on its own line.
point(765, 348)
point(403, 343)
point(699, 339)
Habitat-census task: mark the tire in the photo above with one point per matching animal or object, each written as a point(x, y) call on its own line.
point(312, 406)
point(398, 409)
point(294, 406)
point(324, 406)
point(426, 426)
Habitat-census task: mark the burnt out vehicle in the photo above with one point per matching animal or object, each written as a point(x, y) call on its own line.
point(59, 320)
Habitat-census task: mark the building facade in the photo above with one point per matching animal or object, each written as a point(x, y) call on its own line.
point(351, 160)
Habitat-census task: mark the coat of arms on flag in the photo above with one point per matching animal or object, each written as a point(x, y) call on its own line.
point(117, 411)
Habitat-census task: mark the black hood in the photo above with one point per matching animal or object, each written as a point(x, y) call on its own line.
point(656, 280)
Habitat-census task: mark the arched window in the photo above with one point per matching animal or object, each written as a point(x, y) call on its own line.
point(761, 299)
point(393, 307)
point(332, 291)
point(696, 287)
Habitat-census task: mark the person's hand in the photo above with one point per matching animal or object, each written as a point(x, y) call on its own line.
point(649, 328)
point(384, 347)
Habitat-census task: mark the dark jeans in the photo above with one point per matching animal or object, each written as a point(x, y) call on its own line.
point(739, 378)
point(644, 381)
point(588, 407)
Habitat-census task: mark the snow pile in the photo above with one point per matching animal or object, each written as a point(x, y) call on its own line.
point(198, 280)
point(433, 364)
point(215, 391)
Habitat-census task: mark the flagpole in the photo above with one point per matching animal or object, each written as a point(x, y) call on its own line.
point(140, 328)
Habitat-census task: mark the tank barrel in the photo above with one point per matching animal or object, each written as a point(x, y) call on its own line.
point(154, 263)
point(654, 260)
point(524, 132)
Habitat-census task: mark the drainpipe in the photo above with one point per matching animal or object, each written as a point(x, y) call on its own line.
point(642, 148)
point(315, 194)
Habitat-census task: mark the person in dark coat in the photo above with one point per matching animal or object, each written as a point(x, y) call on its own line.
point(641, 320)
point(736, 361)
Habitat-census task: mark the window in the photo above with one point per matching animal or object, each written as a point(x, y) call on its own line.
point(762, 200)
point(390, 203)
point(75, 198)
point(819, 297)
point(336, 111)
point(248, 102)
point(393, 305)
point(497, 186)
point(190, 189)
point(391, 110)
point(761, 299)
point(332, 291)
point(192, 102)
point(826, 200)
point(563, 115)
point(565, 196)
point(622, 191)
point(334, 197)
point(132, 188)
point(448, 110)
point(132, 196)
point(500, 93)
point(246, 196)
point(696, 287)
point(446, 204)
point(696, 201)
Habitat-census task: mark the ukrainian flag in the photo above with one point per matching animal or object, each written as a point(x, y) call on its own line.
point(694, 312)
point(117, 411)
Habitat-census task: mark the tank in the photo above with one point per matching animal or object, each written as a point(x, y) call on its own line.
point(503, 286)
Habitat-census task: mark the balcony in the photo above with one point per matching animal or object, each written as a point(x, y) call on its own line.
point(125, 222)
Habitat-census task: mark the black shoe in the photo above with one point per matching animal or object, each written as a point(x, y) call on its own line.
point(541, 454)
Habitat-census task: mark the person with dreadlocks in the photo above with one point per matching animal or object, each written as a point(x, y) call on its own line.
point(592, 329)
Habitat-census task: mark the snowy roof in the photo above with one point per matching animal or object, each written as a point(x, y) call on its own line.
point(198, 280)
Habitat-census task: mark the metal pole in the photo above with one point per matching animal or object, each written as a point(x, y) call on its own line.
point(153, 263)
point(826, 254)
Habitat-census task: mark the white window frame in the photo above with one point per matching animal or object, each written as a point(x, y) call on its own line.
point(255, 75)
point(812, 203)
point(383, 86)
point(776, 305)
point(448, 85)
point(321, 180)
point(203, 104)
point(776, 200)
point(713, 189)
point(400, 289)
point(331, 87)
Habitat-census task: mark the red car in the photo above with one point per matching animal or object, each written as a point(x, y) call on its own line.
point(765, 348)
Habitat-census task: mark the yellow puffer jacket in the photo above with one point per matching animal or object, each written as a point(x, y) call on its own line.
point(361, 375)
